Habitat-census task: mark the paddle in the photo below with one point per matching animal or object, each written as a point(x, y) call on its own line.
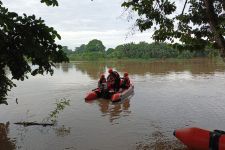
point(95, 89)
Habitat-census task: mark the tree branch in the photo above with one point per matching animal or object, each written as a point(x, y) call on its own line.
point(34, 124)
point(214, 26)
point(184, 7)
point(223, 5)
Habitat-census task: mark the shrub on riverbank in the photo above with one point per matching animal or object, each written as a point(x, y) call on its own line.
point(186, 54)
point(88, 56)
point(94, 50)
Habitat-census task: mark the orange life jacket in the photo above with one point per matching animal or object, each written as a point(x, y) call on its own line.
point(126, 82)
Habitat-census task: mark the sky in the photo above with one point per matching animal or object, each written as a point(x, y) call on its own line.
point(79, 21)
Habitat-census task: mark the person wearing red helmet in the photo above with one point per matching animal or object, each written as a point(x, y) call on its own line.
point(102, 86)
point(126, 81)
point(102, 82)
point(113, 80)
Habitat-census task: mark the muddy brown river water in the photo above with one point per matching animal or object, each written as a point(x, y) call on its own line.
point(167, 95)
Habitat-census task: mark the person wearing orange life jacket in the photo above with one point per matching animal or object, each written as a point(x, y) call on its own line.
point(125, 82)
point(113, 80)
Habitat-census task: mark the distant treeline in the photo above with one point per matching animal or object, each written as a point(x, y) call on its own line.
point(95, 50)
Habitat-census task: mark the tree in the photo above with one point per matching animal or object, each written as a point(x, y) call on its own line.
point(109, 51)
point(80, 48)
point(144, 50)
point(25, 41)
point(198, 24)
point(66, 50)
point(95, 45)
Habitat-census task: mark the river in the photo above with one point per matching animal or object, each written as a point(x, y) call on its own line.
point(168, 94)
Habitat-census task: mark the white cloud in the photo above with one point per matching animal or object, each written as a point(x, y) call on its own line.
point(110, 38)
point(79, 21)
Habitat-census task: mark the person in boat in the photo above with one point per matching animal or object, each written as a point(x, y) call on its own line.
point(102, 82)
point(113, 80)
point(102, 85)
point(125, 81)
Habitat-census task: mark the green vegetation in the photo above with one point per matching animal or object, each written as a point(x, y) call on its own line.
point(51, 120)
point(144, 50)
point(199, 24)
point(26, 39)
point(60, 106)
point(95, 50)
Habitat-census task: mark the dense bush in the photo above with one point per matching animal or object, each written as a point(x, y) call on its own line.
point(88, 56)
point(186, 54)
point(144, 50)
point(95, 50)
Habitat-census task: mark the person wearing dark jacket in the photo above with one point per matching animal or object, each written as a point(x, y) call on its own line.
point(125, 82)
point(113, 80)
point(102, 82)
point(102, 85)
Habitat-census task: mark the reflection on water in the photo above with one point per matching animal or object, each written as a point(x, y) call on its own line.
point(62, 131)
point(93, 69)
point(168, 95)
point(194, 66)
point(5, 142)
point(114, 111)
point(23, 136)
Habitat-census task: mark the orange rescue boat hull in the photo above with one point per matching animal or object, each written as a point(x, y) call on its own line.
point(125, 93)
point(200, 139)
point(92, 95)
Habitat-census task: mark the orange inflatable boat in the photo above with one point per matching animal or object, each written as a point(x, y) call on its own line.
point(123, 94)
point(200, 139)
point(120, 95)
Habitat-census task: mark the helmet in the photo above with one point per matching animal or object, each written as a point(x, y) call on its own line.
point(125, 74)
point(102, 76)
point(110, 70)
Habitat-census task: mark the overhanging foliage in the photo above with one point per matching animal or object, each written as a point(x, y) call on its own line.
point(198, 24)
point(25, 41)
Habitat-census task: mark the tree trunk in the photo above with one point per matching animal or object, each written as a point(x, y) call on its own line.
point(34, 124)
point(223, 4)
point(214, 26)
